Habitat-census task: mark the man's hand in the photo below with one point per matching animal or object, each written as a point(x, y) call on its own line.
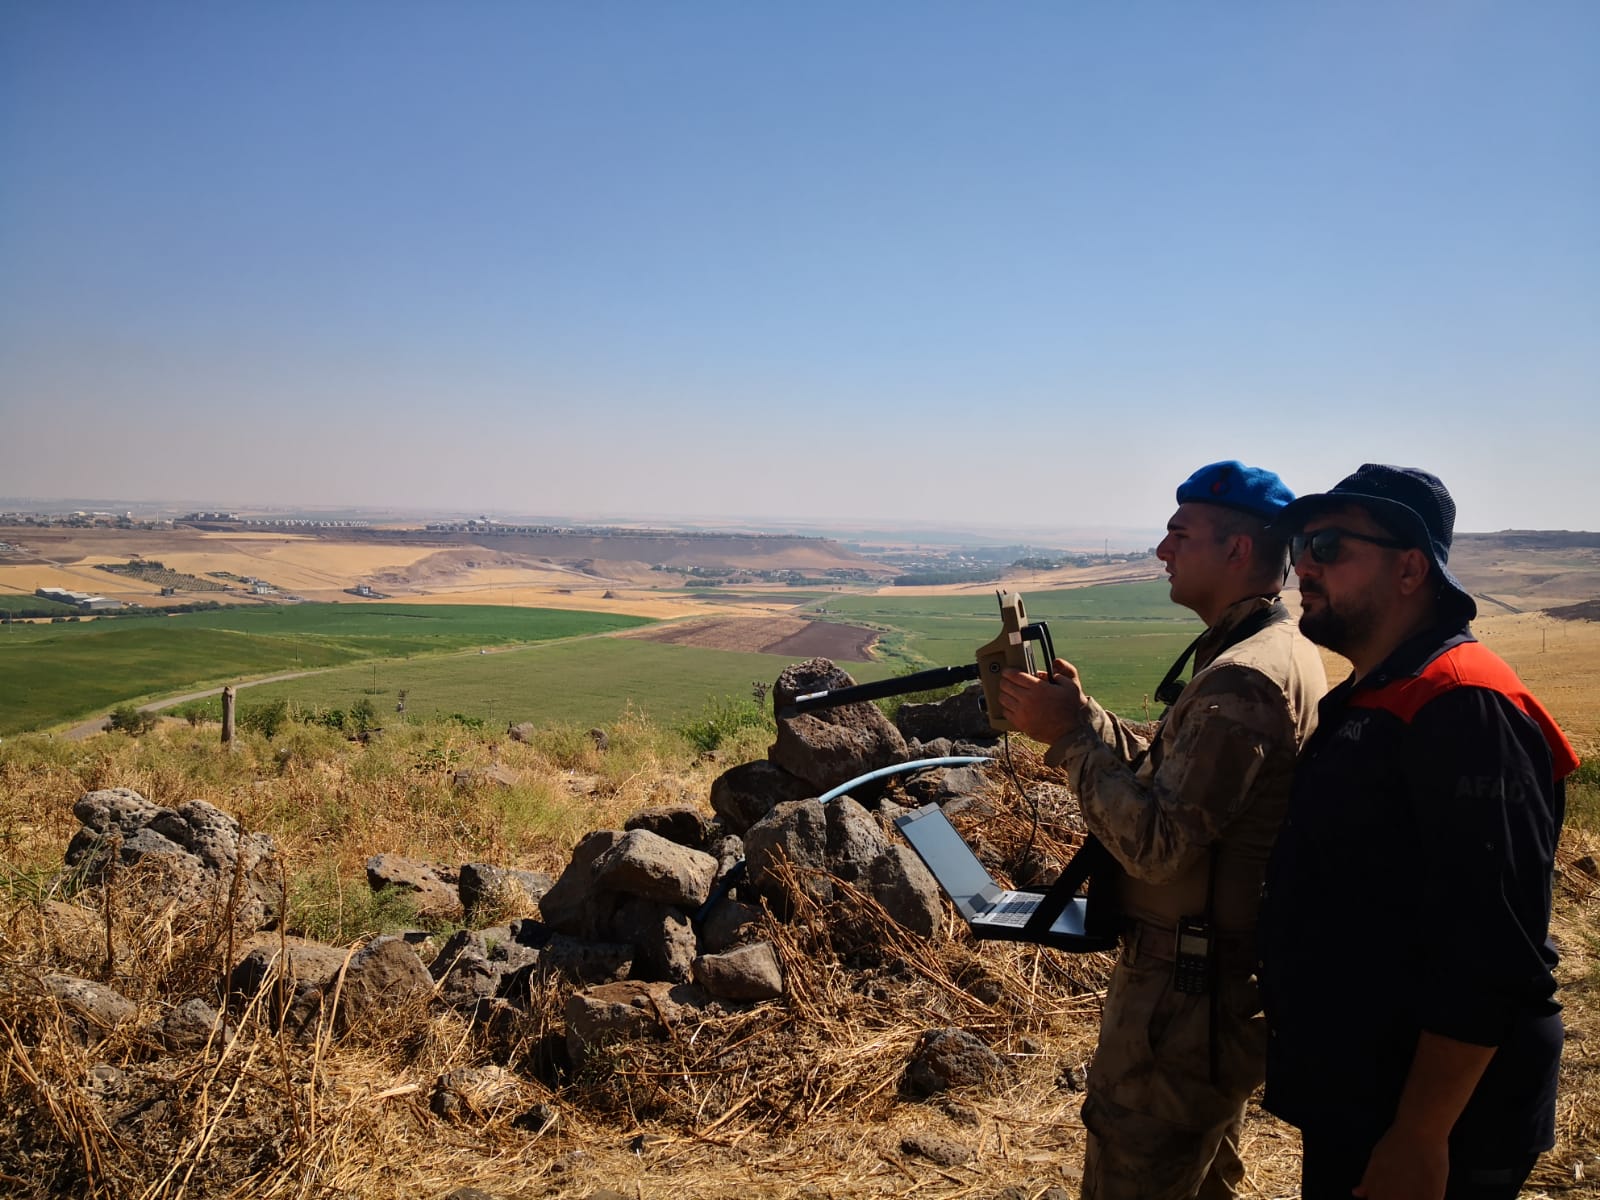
point(1406, 1166)
point(1043, 708)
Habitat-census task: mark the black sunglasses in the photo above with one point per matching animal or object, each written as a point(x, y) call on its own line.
point(1324, 544)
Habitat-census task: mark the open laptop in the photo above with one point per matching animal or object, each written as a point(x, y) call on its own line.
point(991, 911)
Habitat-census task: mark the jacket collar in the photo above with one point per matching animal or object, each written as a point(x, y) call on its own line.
point(1218, 637)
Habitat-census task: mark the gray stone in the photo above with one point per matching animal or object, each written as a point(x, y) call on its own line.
point(430, 886)
point(495, 775)
point(681, 823)
point(940, 785)
point(521, 731)
point(855, 842)
point(463, 943)
point(647, 865)
point(744, 973)
point(663, 941)
point(122, 808)
point(464, 972)
point(383, 974)
point(310, 974)
point(742, 795)
point(728, 851)
point(504, 891)
point(945, 1151)
point(93, 1010)
point(834, 745)
point(954, 717)
point(586, 963)
point(909, 893)
point(569, 904)
point(105, 1082)
point(190, 853)
point(627, 1011)
point(797, 834)
point(190, 1026)
point(949, 1058)
point(730, 923)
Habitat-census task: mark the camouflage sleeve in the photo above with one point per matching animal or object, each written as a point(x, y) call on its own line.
point(1215, 741)
point(1099, 728)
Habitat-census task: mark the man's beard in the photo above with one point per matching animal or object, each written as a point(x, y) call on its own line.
point(1339, 630)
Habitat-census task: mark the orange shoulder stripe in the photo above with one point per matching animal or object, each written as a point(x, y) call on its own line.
point(1470, 664)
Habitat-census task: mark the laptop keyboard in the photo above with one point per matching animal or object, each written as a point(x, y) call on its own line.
point(1010, 909)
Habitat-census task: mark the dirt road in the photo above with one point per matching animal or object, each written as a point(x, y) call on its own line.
point(99, 724)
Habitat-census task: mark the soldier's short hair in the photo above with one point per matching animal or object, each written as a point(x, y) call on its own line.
point(1269, 550)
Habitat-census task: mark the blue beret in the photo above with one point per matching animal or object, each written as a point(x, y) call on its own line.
point(1231, 484)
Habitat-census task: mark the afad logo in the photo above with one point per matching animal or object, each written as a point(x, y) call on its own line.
point(1220, 484)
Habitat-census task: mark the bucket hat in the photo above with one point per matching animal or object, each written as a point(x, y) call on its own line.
point(1409, 502)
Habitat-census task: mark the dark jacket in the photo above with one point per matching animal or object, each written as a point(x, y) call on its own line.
point(1410, 890)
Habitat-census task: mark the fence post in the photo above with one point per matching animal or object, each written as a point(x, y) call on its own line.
point(227, 715)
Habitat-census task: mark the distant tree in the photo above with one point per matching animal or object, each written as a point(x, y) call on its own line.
point(125, 718)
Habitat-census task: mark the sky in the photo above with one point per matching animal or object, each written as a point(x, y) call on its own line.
point(1012, 264)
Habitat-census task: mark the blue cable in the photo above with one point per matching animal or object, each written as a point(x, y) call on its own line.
point(736, 872)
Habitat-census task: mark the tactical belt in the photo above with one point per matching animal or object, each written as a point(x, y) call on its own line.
point(1148, 941)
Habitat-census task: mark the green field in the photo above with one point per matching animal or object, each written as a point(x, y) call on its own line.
point(34, 606)
point(545, 665)
point(55, 673)
point(1121, 637)
point(587, 682)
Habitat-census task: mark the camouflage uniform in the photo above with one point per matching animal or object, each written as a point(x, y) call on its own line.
point(1211, 787)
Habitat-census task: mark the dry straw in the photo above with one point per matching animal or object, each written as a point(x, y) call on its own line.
point(806, 1097)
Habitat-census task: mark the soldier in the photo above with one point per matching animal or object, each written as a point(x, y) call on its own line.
point(1406, 963)
point(1190, 814)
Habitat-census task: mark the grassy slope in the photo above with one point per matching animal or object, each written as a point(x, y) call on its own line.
point(1122, 637)
point(589, 682)
point(54, 673)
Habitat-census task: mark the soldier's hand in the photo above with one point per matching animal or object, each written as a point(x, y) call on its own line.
point(1043, 708)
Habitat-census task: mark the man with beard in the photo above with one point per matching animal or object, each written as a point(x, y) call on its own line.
point(1406, 961)
point(1190, 813)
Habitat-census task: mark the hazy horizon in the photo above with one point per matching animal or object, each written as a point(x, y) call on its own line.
point(1019, 268)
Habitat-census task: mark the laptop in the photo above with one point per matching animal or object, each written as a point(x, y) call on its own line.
point(993, 912)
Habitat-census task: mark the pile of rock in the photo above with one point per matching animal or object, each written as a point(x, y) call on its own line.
point(667, 918)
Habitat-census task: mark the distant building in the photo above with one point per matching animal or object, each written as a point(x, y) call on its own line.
point(81, 600)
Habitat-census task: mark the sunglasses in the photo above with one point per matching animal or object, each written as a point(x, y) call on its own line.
point(1324, 544)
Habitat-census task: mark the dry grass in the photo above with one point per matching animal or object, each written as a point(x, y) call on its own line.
point(802, 1098)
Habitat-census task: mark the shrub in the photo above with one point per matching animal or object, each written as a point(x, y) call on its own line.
point(721, 720)
point(327, 908)
point(265, 719)
point(363, 716)
point(132, 721)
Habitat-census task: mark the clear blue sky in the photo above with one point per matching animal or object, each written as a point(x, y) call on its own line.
point(968, 262)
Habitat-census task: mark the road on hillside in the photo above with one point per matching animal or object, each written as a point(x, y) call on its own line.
point(100, 724)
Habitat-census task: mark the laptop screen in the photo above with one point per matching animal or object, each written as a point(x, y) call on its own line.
point(951, 860)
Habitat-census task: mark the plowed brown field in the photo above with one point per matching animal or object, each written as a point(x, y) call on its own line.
point(789, 636)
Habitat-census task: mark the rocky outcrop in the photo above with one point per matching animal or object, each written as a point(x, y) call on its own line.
point(742, 795)
point(192, 853)
point(833, 745)
point(432, 887)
